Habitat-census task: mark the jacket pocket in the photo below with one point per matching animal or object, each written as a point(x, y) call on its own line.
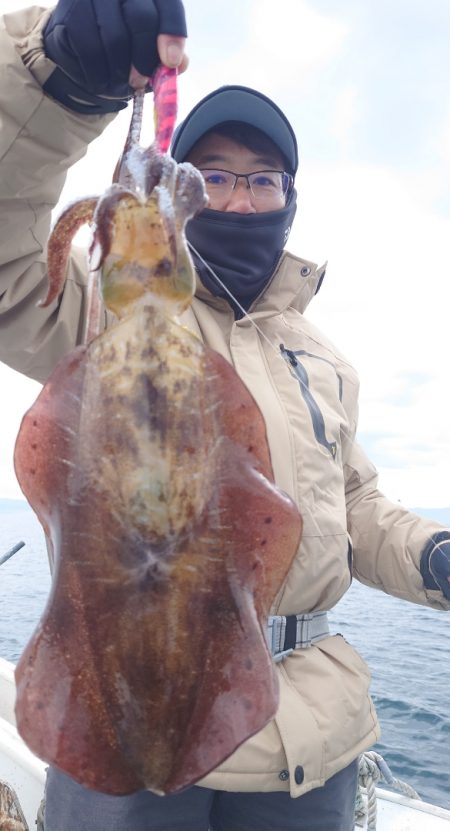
point(318, 423)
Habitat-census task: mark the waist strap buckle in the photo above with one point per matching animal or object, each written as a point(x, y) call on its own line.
point(288, 632)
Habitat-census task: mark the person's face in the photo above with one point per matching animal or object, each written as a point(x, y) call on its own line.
point(222, 153)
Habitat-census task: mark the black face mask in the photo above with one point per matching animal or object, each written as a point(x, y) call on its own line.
point(242, 249)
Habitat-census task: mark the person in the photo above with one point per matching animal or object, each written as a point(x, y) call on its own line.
point(65, 73)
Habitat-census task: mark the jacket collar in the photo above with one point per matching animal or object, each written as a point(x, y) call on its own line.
point(294, 283)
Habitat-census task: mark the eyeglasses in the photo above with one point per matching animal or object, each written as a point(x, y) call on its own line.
point(265, 185)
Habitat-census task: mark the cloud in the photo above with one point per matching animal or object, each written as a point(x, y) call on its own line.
point(388, 271)
point(442, 142)
point(397, 450)
point(416, 484)
point(384, 303)
point(345, 117)
point(278, 51)
point(295, 43)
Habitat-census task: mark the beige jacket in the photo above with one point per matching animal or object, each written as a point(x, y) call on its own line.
point(325, 718)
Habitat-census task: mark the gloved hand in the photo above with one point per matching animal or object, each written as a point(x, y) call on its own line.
point(435, 563)
point(94, 44)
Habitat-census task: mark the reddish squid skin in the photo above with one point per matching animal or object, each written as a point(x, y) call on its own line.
point(149, 666)
point(146, 461)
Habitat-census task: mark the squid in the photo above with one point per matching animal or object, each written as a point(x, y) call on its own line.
point(146, 461)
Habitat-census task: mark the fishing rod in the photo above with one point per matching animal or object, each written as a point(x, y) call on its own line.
point(11, 551)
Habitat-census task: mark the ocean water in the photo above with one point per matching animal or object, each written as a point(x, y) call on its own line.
point(406, 646)
point(24, 579)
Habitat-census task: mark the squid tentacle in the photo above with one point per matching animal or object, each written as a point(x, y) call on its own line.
point(104, 223)
point(58, 248)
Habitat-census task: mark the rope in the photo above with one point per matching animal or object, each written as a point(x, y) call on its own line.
point(373, 769)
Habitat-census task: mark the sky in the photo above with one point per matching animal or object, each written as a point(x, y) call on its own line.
point(365, 86)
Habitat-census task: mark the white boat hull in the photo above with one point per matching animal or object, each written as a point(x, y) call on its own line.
point(399, 813)
point(19, 768)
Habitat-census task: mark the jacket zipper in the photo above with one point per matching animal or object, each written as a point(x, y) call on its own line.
point(299, 372)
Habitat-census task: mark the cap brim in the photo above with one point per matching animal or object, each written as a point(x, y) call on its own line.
point(236, 103)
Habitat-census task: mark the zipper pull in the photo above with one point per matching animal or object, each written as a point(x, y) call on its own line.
point(288, 355)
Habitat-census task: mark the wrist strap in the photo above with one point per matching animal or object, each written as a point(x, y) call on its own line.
point(60, 87)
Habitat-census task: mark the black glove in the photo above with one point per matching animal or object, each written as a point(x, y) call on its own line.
point(94, 43)
point(435, 563)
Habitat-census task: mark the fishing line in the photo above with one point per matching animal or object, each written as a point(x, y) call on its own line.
point(258, 329)
point(139, 101)
point(233, 298)
point(312, 518)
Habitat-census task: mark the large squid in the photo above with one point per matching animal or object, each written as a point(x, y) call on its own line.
point(145, 459)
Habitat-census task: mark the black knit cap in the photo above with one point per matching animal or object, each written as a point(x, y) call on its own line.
point(236, 103)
